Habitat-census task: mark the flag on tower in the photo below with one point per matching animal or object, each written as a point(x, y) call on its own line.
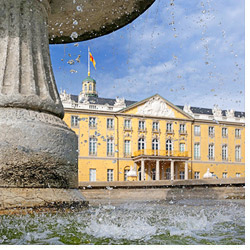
point(92, 59)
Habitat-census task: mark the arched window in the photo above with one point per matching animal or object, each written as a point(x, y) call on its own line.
point(126, 170)
point(155, 144)
point(90, 87)
point(141, 144)
point(169, 145)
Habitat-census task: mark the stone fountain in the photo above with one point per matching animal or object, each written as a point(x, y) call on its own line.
point(38, 152)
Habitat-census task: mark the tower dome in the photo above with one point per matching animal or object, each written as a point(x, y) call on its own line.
point(89, 87)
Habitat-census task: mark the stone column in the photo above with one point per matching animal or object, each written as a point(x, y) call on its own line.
point(186, 170)
point(157, 170)
point(172, 170)
point(142, 170)
point(37, 149)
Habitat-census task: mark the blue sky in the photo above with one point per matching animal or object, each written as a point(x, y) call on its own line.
point(189, 52)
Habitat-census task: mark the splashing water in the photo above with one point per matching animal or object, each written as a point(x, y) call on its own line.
point(184, 222)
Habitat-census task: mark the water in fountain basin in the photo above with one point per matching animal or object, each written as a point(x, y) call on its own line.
point(183, 222)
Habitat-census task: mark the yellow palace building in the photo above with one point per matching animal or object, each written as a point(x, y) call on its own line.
point(153, 139)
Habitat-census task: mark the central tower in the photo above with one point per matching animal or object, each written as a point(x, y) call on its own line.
point(89, 87)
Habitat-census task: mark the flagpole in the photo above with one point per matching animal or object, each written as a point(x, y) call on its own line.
point(88, 63)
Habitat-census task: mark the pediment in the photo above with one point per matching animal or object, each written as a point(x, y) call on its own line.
point(156, 106)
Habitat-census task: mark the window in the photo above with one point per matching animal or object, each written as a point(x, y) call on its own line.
point(224, 152)
point(182, 147)
point(224, 175)
point(141, 144)
point(92, 146)
point(211, 152)
point(92, 174)
point(85, 87)
point(211, 131)
point(155, 126)
point(237, 153)
point(153, 174)
point(197, 130)
point(127, 124)
point(74, 121)
point(182, 175)
point(197, 151)
point(169, 145)
point(90, 87)
point(110, 147)
point(126, 174)
point(237, 175)
point(169, 127)
point(92, 122)
point(197, 175)
point(110, 123)
point(182, 128)
point(168, 174)
point(141, 125)
point(127, 147)
point(224, 132)
point(155, 144)
point(110, 175)
point(237, 133)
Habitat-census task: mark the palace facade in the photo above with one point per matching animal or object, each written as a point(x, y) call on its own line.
point(153, 137)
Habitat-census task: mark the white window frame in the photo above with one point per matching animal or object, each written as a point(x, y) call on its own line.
point(92, 122)
point(141, 125)
point(211, 151)
point(155, 144)
point(169, 145)
point(197, 151)
point(182, 147)
point(224, 175)
point(127, 147)
point(169, 127)
point(237, 133)
point(110, 147)
point(110, 175)
point(182, 175)
point(224, 152)
point(224, 132)
point(155, 126)
point(197, 130)
point(197, 175)
point(211, 131)
point(92, 146)
point(92, 174)
point(74, 121)
point(127, 124)
point(182, 128)
point(110, 123)
point(237, 153)
point(126, 174)
point(141, 144)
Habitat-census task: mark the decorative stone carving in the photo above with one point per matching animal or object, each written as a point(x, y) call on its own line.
point(84, 99)
point(187, 109)
point(230, 113)
point(207, 175)
point(217, 112)
point(132, 172)
point(65, 97)
point(156, 106)
point(120, 103)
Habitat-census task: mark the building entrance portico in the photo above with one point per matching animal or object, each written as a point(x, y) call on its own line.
point(161, 168)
